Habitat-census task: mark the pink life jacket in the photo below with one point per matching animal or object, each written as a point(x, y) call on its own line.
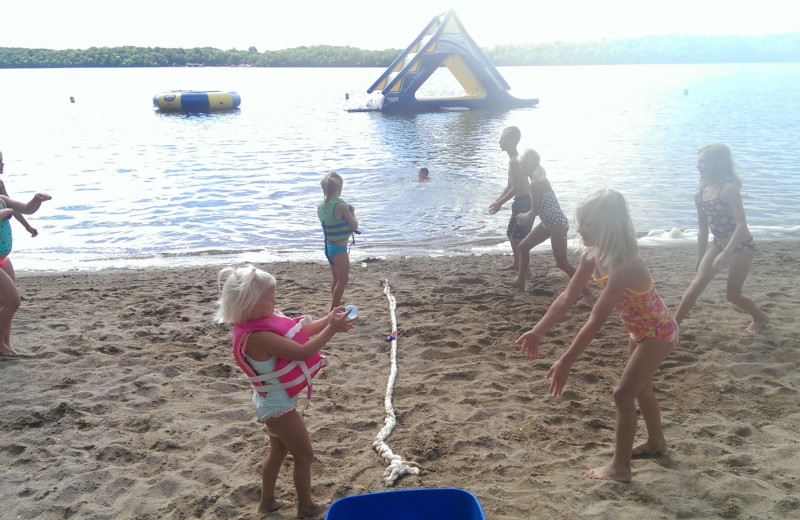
point(293, 376)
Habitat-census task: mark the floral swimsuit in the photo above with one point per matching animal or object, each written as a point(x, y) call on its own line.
point(645, 315)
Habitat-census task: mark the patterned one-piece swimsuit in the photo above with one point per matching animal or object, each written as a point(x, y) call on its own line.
point(645, 315)
point(721, 222)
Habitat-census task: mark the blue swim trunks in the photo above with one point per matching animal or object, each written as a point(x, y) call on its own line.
point(332, 250)
point(521, 204)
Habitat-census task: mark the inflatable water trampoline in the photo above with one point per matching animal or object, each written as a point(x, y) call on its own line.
point(196, 101)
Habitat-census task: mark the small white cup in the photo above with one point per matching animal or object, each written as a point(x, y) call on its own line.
point(351, 311)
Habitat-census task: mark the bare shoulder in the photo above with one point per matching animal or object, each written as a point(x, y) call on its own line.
point(730, 191)
point(632, 273)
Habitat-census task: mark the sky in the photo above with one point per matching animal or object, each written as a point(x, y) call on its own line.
point(283, 24)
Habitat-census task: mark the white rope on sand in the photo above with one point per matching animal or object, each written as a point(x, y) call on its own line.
point(397, 466)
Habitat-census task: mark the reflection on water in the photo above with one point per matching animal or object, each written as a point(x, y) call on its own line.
point(145, 188)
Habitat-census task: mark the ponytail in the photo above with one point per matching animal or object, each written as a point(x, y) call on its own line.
point(331, 186)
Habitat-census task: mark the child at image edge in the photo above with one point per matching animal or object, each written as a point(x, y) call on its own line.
point(9, 296)
point(264, 337)
point(339, 222)
point(612, 258)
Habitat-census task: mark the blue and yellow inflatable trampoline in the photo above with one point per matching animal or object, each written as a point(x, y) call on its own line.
point(196, 101)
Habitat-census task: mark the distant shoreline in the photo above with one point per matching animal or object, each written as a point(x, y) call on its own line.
point(671, 49)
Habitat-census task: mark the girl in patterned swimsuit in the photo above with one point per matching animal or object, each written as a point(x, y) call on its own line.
point(719, 207)
point(612, 258)
point(553, 223)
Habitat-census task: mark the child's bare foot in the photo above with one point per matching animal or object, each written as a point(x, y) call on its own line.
point(6, 350)
point(587, 297)
point(514, 267)
point(756, 326)
point(516, 283)
point(314, 510)
point(529, 275)
point(649, 449)
point(609, 473)
point(270, 506)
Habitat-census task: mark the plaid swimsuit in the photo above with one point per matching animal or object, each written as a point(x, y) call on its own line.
point(550, 212)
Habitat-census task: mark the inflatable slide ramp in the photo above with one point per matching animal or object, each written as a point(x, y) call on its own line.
point(443, 43)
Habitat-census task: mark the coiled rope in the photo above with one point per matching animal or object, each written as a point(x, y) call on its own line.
point(397, 466)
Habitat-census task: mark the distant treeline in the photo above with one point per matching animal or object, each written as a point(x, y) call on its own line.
point(648, 49)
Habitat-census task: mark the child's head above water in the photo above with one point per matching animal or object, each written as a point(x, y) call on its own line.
point(241, 290)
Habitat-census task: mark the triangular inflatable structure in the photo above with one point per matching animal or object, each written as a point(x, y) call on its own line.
point(443, 43)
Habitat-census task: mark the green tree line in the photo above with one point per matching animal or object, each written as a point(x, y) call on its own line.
point(648, 49)
point(316, 56)
point(654, 50)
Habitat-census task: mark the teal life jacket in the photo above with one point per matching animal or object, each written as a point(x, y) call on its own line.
point(334, 229)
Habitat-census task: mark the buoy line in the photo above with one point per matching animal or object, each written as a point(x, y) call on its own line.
point(397, 466)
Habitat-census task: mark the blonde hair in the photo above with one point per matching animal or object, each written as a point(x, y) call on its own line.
point(240, 290)
point(331, 186)
point(720, 166)
point(608, 210)
point(530, 161)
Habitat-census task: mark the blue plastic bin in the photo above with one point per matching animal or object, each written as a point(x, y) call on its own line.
point(408, 504)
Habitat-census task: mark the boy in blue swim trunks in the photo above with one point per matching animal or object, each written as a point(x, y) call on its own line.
point(517, 188)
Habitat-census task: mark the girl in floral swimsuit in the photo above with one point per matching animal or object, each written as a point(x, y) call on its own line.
point(612, 258)
point(719, 207)
point(553, 223)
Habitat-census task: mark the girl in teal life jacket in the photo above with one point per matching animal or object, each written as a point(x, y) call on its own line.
point(338, 224)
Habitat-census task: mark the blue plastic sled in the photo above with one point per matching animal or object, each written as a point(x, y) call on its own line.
point(408, 504)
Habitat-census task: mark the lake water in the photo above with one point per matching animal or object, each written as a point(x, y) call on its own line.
point(133, 187)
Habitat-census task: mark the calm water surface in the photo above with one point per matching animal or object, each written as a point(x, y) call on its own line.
point(133, 187)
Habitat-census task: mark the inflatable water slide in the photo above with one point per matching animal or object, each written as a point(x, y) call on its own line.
point(443, 43)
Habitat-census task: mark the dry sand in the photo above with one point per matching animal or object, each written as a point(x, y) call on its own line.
point(125, 401)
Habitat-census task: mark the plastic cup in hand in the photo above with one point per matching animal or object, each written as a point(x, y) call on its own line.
point(351, 311)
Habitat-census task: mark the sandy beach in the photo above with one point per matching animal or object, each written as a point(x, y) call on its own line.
point(125, 402)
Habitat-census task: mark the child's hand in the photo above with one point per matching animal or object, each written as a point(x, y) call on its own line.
point(560, 373)
point(524, 218)
point(339, 321)
point(32, 231)
point(530, 344)
point(42, 197)
point(494, 208)
point(6, 213)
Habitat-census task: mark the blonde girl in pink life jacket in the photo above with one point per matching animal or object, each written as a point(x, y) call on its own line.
point(280, 356)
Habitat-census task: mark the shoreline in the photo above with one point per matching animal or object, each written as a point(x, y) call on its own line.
point(660, 238)
point(126, 403)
